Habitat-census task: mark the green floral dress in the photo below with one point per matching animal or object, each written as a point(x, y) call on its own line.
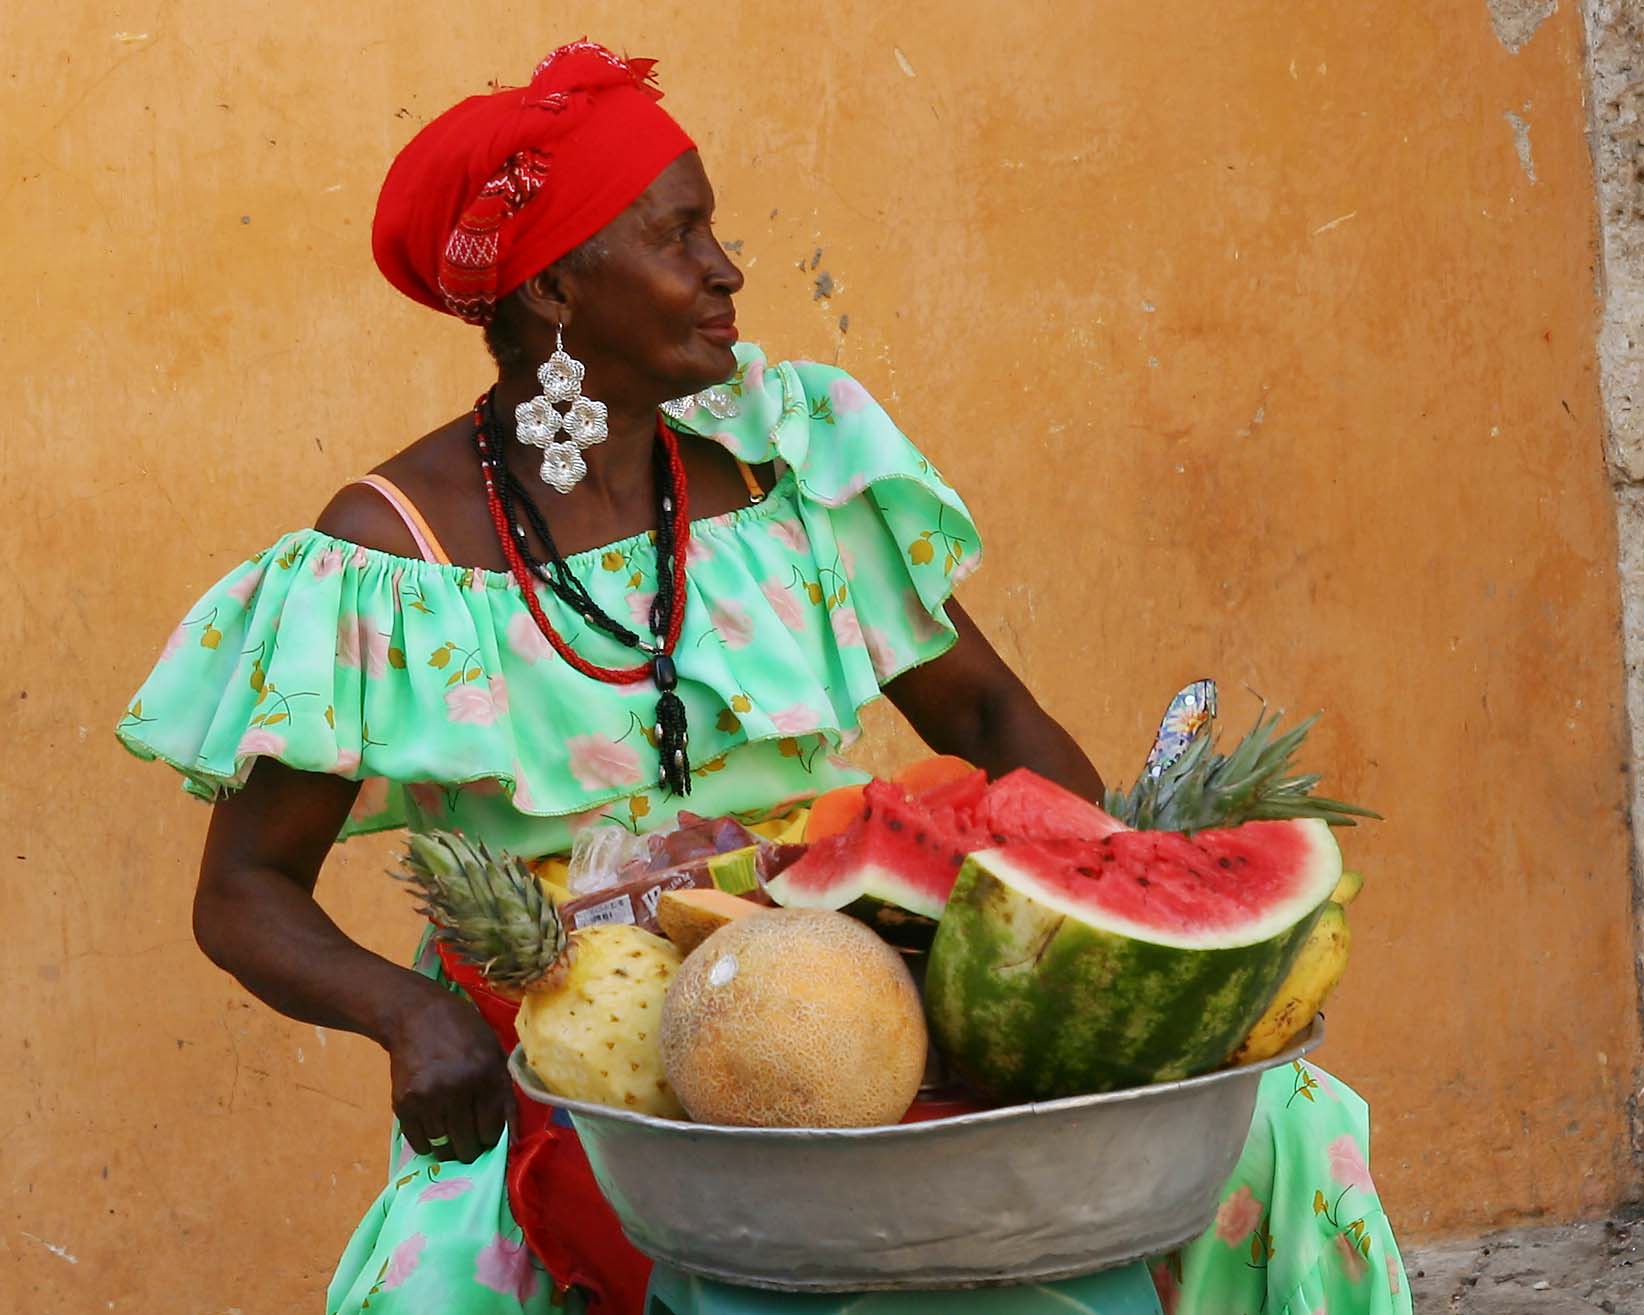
point(431, 685)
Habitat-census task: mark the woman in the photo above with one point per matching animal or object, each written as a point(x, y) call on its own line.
point(723, 592)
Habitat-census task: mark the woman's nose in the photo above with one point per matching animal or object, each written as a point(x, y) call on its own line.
point(724, 276)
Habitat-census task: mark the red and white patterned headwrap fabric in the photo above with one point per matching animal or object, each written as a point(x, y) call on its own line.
point(502, 185)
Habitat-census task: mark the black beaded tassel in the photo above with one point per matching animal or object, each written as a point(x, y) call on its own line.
point(671, 734)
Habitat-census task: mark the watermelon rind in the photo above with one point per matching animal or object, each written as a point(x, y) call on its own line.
point(1033, 996)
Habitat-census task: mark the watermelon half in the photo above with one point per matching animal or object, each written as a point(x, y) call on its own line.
point(1067, 967)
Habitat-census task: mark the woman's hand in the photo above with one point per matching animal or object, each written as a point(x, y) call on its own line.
point(451, 1088)
point(256, 917)
point(969, 703)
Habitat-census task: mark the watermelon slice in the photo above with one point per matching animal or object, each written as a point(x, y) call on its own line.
point(1064, 967)
point(905, 852)
point(1022, 805)
point(897, 853)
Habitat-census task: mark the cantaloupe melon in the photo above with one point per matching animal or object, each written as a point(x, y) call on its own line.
point(794, 1018)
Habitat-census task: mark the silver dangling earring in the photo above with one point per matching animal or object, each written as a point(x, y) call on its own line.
point(538, 423)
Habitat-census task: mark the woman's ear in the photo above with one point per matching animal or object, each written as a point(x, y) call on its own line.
point(544, 297)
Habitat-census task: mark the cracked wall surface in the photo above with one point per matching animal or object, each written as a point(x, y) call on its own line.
point(1615, 39)
point(1615, 56)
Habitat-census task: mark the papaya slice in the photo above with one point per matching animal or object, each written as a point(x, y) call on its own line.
point(834, 812)
point(927, 773)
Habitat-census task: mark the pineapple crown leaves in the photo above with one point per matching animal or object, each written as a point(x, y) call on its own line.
point(487, 906)
point(1204, 788)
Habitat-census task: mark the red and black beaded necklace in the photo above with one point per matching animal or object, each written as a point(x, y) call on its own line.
point(506, 496)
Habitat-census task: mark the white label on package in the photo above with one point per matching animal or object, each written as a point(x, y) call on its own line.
point(607, 911)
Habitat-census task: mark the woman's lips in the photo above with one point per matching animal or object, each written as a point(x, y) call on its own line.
point(721, 330)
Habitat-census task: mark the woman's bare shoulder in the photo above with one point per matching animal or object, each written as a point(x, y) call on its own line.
point(362, 513)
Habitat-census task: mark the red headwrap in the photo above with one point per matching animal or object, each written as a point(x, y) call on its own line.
point(501, 186)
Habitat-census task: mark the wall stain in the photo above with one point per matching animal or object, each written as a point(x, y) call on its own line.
point(1521, 143)
point(1516, 21)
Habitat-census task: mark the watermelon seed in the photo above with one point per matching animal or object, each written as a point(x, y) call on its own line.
point(893, 823)
point(998, 839)
point(1224, 862)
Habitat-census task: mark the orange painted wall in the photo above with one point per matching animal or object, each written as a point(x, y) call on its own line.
point(1242, 325)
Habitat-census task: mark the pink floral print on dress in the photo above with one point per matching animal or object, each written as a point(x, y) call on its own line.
point(403, 1262)
point(600, 763)
point(328, 563)
point(504, 1265)
point(526, 640)
point(243, 588)
point(639, 607)
point(361, 645)
point(1237, 1216)
point(524, 800)
point(847, 630)
point(784, 604)
point(851, 488)
point(470, 705)
point(924, 626)
point(881, 652)
point(790, 534)
point(1347, 1164)
point(260, 741)
point(732, 623)
point(1352, 1263)
point(797, 720)
point(174, 641)
point(445, 1189)
point(848, 396)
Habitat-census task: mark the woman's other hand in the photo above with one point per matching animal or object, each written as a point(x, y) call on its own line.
point(451, 1088)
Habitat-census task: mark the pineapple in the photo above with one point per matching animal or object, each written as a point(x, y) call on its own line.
point(1204, 789)
point(590, 1003)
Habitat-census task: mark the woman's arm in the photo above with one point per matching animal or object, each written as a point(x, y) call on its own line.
point(255, 916)
point(969, 703)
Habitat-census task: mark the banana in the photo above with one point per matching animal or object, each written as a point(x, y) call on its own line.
point(1347, 888)
point(1312, 977)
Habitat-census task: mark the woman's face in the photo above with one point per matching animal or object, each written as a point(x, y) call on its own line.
point(652, 315)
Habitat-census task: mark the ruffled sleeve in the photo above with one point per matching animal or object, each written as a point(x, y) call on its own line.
point(300, 654)
point(890, 536)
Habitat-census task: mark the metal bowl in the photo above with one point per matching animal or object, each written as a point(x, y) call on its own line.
point(1015, 1195)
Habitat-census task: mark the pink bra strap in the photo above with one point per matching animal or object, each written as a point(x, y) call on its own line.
point(427, 544)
